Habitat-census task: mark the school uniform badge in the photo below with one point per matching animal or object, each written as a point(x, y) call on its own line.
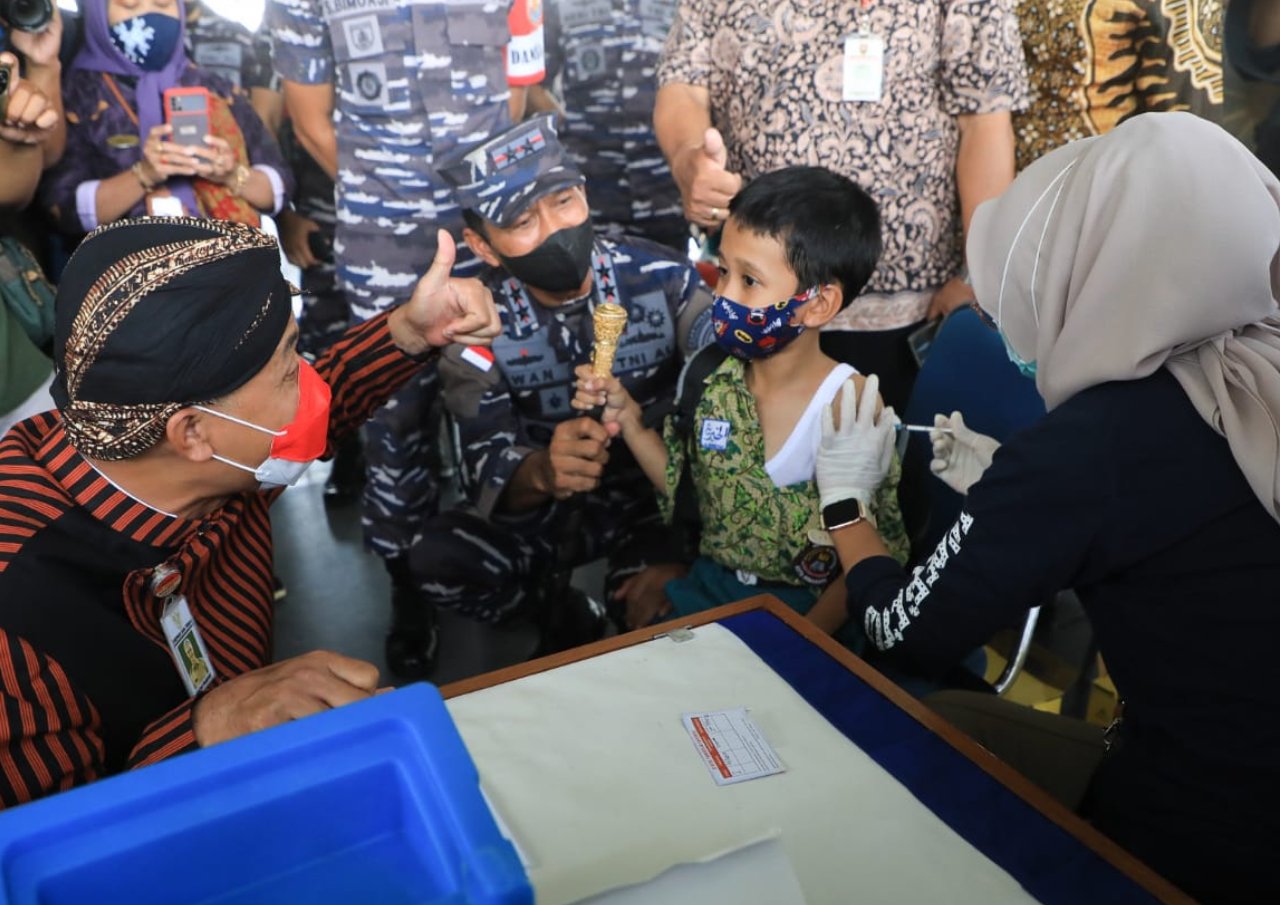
point(817, 565)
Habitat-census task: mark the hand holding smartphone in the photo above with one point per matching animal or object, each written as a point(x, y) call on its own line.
point(187, 111)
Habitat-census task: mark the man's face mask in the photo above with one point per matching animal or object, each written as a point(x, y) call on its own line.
point(751, 333)
point(559, 264)
point(299, 443)
point(148, 40)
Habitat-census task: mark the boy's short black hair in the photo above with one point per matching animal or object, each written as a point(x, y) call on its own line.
point(828, 225)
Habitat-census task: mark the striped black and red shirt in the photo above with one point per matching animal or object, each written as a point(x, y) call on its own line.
point(87, 684)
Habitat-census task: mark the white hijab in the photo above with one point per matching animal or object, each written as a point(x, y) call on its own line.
point(1152, 246)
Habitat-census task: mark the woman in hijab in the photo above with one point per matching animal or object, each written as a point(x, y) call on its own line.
point(1135, 277)
point(121, 159)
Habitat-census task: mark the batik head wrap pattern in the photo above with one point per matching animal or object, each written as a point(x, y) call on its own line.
point(155, 314)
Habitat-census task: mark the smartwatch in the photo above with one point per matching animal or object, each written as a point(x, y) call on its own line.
point(843, 513)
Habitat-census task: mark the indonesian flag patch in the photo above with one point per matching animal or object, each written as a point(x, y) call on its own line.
point(478, 356)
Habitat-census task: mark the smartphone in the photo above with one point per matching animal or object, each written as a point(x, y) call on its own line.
point(6, 77)
point(321, 245)
point(187, 110)
point(921, 340)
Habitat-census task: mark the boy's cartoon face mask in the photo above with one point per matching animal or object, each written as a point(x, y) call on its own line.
point(751, 333)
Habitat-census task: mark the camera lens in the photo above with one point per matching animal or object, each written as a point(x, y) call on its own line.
point(27, 15)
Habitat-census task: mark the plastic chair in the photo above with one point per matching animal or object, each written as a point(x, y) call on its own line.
point(968, 371)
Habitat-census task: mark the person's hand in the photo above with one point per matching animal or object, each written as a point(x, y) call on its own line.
point(295, 231)
point(575, 460)
point(960, 457)
point(162, 158)
point(444, 310)
point(40, 48)
point(284, 691)
point(706, 185)
point(215, 161)
point(854, 457)
point(620, 410)
point(954, 293)
point(644, 593)
point(29, 116)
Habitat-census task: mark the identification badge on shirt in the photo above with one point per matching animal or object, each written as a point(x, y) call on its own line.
point(863, 68)
point(189, 653)
point(715, 434)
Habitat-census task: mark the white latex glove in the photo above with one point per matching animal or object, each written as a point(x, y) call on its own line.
point(854, 459)
point(960, 457)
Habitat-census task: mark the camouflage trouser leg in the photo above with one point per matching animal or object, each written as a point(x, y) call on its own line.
point(325, 314)
point(488, 570)
point(464, 563)
point(400, 491)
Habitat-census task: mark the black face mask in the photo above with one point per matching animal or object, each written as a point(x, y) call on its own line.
point(559, 264)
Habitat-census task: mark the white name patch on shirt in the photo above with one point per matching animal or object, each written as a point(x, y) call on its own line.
point(715, 434)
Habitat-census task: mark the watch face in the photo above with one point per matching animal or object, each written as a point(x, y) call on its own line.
point(842, 512)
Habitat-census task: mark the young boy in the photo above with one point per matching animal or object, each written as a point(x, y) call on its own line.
point(799, 245)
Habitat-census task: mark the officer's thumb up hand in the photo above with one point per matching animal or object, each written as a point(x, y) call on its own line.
point(713, 147)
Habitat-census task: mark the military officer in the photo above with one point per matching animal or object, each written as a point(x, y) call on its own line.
point(605, 53)
point(540, 478)
point(379, 92)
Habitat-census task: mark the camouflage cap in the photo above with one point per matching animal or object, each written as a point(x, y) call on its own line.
point(500, 178)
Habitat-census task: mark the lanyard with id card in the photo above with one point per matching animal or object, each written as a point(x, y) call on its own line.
point(863, 69)
point(185, 644)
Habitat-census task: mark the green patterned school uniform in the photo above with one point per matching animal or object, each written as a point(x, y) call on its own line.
point(750, 525)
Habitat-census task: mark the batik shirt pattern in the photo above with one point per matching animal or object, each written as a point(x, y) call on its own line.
point(773, 71)
point(1092, 64)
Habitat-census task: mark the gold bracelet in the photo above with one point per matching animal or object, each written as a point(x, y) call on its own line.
point(238, 179)
point(147, 184)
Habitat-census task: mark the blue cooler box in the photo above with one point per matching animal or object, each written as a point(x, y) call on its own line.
point(376, 802)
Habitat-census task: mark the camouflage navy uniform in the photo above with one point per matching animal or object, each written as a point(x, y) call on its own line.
point(507, 401)
point(325, 316)
point(413, 79)
point(219, 45)
point(606, 55)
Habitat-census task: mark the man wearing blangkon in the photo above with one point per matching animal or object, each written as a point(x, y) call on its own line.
point(134, 520)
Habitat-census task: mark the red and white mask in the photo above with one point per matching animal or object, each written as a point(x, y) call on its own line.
point(299, 443)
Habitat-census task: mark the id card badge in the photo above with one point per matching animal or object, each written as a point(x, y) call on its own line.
point(187, 647)
point(864, 68)
point(715, 434)
point(165, 206)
